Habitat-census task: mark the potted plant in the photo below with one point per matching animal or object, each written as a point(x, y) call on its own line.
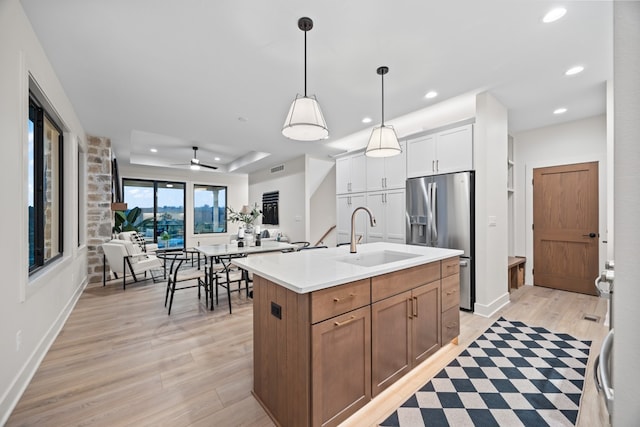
point(126, 221)
point(165, 237)
point(246, 215)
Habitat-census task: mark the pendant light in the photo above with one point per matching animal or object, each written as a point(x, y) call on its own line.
point(305, 121)
point(383, 141)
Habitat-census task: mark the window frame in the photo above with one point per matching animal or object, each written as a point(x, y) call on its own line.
point(40, 114)
point(207, 187)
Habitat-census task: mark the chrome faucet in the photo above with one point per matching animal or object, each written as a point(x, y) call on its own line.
point(372, 219)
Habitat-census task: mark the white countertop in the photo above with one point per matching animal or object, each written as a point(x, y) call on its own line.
point(315, 269)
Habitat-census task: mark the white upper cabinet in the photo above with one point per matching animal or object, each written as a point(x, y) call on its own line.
point(447, 151)
point(421, 160)
point(351, 174)
point(387, 172)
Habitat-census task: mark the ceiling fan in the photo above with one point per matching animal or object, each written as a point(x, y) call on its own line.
point(195, 163)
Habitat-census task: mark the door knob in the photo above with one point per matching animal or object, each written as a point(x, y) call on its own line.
point(592, 235)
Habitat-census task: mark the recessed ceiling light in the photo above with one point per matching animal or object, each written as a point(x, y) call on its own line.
point(154, 150)
point(431, 94)
point(169, 185)
point(560, 111)
point(574, 70)
point(217, 159)
point(366, 120)
point(554, 14)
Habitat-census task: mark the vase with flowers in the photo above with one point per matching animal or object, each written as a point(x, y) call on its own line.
point(247, 216)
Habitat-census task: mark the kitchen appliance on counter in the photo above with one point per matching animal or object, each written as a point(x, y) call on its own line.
point(440, 213)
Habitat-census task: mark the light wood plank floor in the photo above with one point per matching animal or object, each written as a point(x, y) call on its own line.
point(120, 360)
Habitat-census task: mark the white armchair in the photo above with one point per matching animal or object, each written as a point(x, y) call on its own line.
point(122, 255)
point(138, 239)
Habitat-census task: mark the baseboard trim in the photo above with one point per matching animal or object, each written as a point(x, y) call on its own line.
point(11, 398)
point(491, 308)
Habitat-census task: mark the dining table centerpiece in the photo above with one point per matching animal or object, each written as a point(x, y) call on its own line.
point(247, 216)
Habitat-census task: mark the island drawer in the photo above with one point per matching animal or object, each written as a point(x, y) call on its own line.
point(450, 266)
point(330, 302)
point(450, 292)
point(386, 285)
point(450, 324)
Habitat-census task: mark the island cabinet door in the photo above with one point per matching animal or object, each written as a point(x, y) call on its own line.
point(390, 340)
point(425, 321)
point(340, 366)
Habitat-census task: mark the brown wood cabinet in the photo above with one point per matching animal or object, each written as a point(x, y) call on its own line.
point(405, 330)
point(321, 356)
point(340, 366)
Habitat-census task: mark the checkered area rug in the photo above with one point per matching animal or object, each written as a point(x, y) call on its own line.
point(512, 375)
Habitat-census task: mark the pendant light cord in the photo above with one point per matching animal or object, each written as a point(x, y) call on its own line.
point(305, 64)
point(382, 76)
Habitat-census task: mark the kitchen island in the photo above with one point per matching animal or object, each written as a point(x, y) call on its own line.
point(333, 329)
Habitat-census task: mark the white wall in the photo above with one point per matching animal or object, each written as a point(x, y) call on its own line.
point(573, 142)
point(237, 191)
point(626, 296)
point(37, 305)
point(292, 206)
point(490, 160)
point(321, 195)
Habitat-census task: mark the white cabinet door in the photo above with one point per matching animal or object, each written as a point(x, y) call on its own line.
point(395, 169)
point(345, 204)
point(358, 169)
point(351, 174)
point(343, 176)
point(389, 210)
point(395, 216)
point(375, 173)
point(455, 150)
point(421, 156)
point(375, 202)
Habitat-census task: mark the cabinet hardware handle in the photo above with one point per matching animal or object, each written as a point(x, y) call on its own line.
point(451, 325)
point(415, 306)
point(433, 165)
point(410, 308)
point(451, 292)
point(349, 320)
point(437, 165)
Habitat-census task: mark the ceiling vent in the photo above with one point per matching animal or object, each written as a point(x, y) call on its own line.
point(277, 169)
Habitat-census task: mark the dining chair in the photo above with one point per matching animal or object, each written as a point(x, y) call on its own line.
point(312, 247)
point(176, 276)
point(227, 275)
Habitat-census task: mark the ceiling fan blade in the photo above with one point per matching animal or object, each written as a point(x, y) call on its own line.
point(208, 166)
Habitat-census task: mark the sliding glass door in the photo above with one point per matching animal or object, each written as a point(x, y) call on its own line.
point(162, 205)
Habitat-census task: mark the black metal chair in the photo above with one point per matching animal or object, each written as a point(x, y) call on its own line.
point(225, 275)
point(312, 247)
point(175, 276)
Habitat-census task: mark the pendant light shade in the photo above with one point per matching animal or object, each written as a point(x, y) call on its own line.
point(305, 121)
point(383, 141)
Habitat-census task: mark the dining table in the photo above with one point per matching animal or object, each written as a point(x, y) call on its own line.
point(226, 251)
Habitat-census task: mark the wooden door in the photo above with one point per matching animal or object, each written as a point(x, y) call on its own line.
point(340, 366)
point(390, 340)
point(565, 227)
point(425, 323)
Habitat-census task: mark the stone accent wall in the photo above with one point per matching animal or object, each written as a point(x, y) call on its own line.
point(99, 215)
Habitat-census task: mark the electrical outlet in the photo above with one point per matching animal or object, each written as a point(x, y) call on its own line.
point(18, 340)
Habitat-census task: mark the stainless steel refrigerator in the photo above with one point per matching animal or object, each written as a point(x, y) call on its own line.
point(440, 213)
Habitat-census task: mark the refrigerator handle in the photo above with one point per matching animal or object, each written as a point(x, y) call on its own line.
point(428, 200)
point(434, 218)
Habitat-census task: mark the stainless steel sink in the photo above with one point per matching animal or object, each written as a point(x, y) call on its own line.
point(371, 259)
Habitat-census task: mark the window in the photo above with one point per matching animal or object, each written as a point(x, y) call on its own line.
point(162, 205)
point(209, 209)
point(45, 186)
